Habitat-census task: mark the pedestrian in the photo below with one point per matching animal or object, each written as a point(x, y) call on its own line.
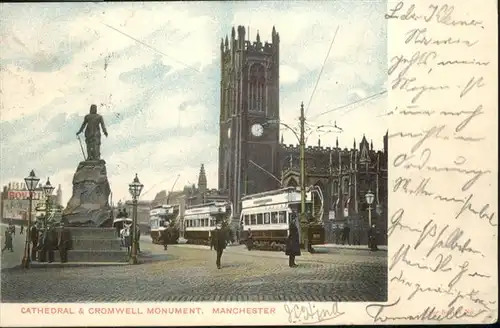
point(372, 238)
point(137, 238)
point(21, 230)
point(51, 242)
point(34, 241)
point(219, 243)
point(64, 243)
point(8, 241)
point(293, 244)
point(347, 231)
point(249, 239)
point(42, 244)
point(165, 238)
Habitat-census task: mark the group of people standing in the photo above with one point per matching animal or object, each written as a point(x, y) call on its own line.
point(9, 238)
point(126, 237)
point(46, 239)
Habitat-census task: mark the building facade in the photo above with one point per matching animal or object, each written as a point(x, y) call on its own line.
point(14, 201)
point(345, 176)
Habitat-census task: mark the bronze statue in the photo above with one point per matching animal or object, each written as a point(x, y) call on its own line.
point(93, 122)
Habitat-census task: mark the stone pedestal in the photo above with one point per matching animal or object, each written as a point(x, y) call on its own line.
point(89, 204)
point(95, 245)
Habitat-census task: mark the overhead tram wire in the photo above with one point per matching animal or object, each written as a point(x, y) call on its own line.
point(373, 96)
point(97, 5)
point(322, 67)
point(150, 47)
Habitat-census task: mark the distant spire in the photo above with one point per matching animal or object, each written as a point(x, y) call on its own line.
point(354, 145)
point(226, 43)
point(371, 144)
point(274, 30)
point(233, 32)
point(221, 44)
point(337, 142)
point(202, 179)
point(282, 140)
point(319, 142)
point(258, 36)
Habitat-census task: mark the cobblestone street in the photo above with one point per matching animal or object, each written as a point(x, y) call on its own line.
point(188, 273)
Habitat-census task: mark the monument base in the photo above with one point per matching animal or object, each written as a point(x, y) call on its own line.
point(95, 245)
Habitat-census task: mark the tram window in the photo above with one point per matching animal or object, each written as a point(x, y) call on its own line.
point(202, 221)
point(259, 218)
point(206, 222)
point(282, 217)
point(253, 219)
point(271, 217)
point(212, 222)
point(266, 218)
point(247, 220)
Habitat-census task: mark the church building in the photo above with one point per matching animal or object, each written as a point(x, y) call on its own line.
point(251, 154)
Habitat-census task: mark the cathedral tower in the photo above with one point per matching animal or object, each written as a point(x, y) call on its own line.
point(248, 141)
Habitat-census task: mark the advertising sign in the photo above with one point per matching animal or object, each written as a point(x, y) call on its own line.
point(24, 194)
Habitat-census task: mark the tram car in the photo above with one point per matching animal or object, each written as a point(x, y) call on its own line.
point(200, 221)
point(268, 215)
point(164, 219)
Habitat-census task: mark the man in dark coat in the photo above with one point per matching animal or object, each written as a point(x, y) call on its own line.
point(8, 241)
point(293, 244)
point(219, 243)
point(346, 235)
point(249, 239)
point(64, 243)
point(51, 242)
point(372, 238)
point(34, 241)
point(137, 238)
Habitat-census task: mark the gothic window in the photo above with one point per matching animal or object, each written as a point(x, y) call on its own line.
point(335, 187)
point(257, 88)
point(292, 183)
point(345, 186)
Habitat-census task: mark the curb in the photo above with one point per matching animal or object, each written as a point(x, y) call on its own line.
point(66, 265)
point(331, 248)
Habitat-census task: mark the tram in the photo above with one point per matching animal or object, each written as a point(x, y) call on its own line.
point(200, 221)
point(268, 215)
point(163, 218)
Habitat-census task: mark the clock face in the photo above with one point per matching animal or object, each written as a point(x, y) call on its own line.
point(257, 130)
point(229, 133)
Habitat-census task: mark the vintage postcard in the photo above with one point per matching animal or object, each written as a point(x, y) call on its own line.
point(248, 163)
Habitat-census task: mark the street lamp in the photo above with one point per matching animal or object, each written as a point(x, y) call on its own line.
point(47, 189)
point(135, 189)
point(31, 183)
point(369, 200)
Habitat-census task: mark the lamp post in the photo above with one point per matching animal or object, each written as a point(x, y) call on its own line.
point(135, 189)
point(369, 200)
point(47, 189)
point(31, 183)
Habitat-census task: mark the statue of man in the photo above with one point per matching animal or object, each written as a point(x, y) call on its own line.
point(93, 122)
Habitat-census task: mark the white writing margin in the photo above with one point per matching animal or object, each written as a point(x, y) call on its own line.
point(442, 163)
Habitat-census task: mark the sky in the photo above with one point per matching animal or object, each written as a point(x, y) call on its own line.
point(153, 69)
